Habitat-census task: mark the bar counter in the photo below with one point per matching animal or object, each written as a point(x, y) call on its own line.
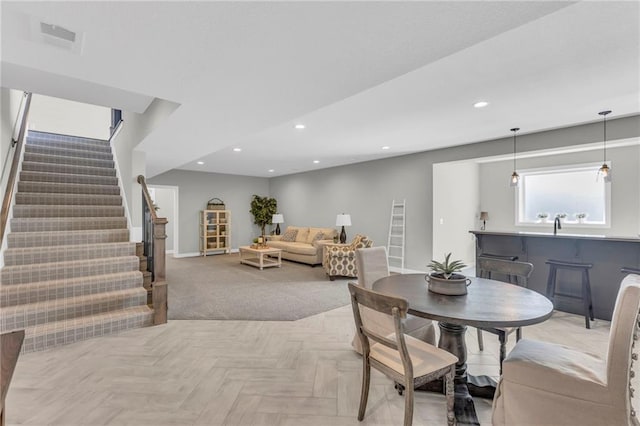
point(608, 254)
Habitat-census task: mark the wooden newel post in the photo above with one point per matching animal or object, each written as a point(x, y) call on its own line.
point(159, 286)
point(159, 248)
point(160, 304)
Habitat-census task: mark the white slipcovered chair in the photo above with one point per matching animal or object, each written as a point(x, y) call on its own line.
point(372, 264)
point(549, 384)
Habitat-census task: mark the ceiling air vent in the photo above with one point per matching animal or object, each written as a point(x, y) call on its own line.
point(57, 32)
point(58, 36)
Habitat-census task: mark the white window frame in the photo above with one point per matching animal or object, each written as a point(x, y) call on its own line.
point(519, 196)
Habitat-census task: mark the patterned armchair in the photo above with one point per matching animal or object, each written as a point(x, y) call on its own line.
point(340, 259)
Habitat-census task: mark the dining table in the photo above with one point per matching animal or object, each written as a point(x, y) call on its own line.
point(487, 304)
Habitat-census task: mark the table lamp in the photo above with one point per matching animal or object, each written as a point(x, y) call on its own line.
point(343, 220)
point(484, 217)
point(277, 218)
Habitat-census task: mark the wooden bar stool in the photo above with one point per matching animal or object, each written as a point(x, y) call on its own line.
point(585, 296)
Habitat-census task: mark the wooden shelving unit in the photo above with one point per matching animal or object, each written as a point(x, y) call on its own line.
point(215, 232)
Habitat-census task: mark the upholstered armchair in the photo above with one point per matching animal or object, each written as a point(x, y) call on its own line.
point(340, 259)
point(544, 383)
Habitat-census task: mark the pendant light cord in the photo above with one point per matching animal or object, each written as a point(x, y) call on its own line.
point(604, 117)
point(605, 138)
point(514, 130)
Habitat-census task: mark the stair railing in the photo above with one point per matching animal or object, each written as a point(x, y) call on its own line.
point(154, 236)
point(17, 142)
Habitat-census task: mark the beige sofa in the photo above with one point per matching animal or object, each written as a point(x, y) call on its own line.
point(308, 245)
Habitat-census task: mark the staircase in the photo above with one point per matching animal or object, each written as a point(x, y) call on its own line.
point(70, 272)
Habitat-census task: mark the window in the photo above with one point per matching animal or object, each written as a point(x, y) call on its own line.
point(572, 191)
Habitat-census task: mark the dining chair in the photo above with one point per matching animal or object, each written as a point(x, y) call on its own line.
point(373, 264)
point(513, 272)
point(402, 358)
point(546, 383)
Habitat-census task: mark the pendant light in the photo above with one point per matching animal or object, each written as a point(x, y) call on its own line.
point(515, 177)
point(604, 170)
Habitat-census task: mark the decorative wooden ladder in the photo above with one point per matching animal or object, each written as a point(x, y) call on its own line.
point(395, 243)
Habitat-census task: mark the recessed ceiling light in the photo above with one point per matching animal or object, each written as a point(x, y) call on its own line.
point(200, 162)
point(271, 170)
point(481, 104)
point(300, 126)
point(385, 147)
point(316, 161)
point(237, 149)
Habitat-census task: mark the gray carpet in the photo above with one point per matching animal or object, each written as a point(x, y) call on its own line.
point(219, 287)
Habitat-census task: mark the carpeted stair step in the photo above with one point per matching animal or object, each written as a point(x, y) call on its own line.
point(65, 238)
point(35, 135)
point(67, 178)
point(11, 295)
point(143, 265)
point(59, 159)
point(30, 210)
point(67, 199)
point(59, 333)
point(21, 274)
point(32, 166)
point(146, 281)
point(67, 188)
point(103, 147)
point(28, 315)
point(33, 255)
point(66, 223)
point(68, 152)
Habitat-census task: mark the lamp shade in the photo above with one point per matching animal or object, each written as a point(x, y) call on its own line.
point(484, 216)
point(277, 218)
point(343, 220)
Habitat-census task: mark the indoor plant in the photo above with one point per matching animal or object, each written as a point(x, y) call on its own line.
point(443, 278)
point(263, 209)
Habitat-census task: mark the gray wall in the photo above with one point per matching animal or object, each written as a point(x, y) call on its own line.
point(196, 188)
point(164, 198)
point(498, 198)
point(365, 190)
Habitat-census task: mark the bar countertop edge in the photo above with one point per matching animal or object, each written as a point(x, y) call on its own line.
point(629, 239)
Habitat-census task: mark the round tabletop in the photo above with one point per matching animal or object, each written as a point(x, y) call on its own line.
point(488, 303)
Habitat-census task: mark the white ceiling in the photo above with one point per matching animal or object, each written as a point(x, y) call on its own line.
point(359, 75)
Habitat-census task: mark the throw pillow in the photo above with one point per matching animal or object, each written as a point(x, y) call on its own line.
point(289, 235)
point(317, 237)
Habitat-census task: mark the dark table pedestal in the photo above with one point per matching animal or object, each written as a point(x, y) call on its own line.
point(452, 339)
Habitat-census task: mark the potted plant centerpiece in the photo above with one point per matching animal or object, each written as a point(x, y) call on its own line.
point(443, 278)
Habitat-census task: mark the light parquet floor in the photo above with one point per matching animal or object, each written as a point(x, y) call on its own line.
point(239, 373)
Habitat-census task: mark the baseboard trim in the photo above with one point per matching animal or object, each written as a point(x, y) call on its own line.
point(196, 254)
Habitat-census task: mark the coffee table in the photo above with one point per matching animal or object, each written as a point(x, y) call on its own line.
point(262, 257)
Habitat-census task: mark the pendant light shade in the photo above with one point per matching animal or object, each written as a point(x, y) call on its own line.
point(515, 177)
point(605, 170)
